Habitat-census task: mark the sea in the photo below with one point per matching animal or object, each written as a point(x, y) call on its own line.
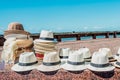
point(88, 38)
point(84, 38)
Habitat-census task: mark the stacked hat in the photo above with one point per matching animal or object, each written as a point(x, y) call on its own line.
point(44, 44)
point(16, 30)
point(27, 62)
point(51, 62)
point(100, 63)
point(17, 41)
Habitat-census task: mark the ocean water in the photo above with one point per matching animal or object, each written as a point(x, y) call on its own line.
point(86, 38)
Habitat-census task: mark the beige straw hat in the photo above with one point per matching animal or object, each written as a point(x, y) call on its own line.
point(16, 29)
point(100, 63)
point(51, 62)
point(27, 62)
point(75, 62)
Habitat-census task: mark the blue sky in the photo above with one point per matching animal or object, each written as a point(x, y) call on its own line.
point(61, 15)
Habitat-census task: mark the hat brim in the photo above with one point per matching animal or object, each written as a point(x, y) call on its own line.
point(40, 40)
point(19, 68)
point(49, 45)
point(40, 50)
point(7, 32)
point(115, 56)
point(44, 68)
point(116, 65)
point(92, 68)
point(69, 67)
point(19, 36)
point(44, 48)
point(63, 61)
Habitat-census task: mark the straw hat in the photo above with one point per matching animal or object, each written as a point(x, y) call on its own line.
point(15, 29)
point(64, 52)
point(100, 63)
point(46, 36)
point(51, 62)
point(75, 62)
point(86, 52)
point(27, 62)
point(24, 43)
point(107, 51)
point(117, 63)
point(45, 44)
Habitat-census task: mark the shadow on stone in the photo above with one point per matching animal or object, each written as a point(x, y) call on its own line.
point(24, 72)
point(107, 74)
point(76, 72)
point(50, 72)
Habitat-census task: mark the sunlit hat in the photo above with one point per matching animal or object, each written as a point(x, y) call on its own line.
point(107, 51)
point(46, 36)
point(64, 53)
point(86, 52)
point(75, 62)
point(27, 62)
point(16, 29)
point(51, 62)
point(100, 63)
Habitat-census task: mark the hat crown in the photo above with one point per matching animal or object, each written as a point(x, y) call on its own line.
point(46, 34)
point(15, 26)
point(27, 57)
point(86, 52)
point(76, 57)
point(64, 51)
point(106, 51)
point(99, 58)
point(51, 57)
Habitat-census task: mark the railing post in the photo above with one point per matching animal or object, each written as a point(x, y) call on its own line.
point(78, 37)
point(115, 34)
point(107, 35)
point(59, 39)
point(94, 36)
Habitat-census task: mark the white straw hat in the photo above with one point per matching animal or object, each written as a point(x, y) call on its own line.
point(86, 52)
point(27, 62)
point(46, 36)
point(64, 52)
point(107, 51)
point(51, 62)
point(100, 63)
point(75, 62)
